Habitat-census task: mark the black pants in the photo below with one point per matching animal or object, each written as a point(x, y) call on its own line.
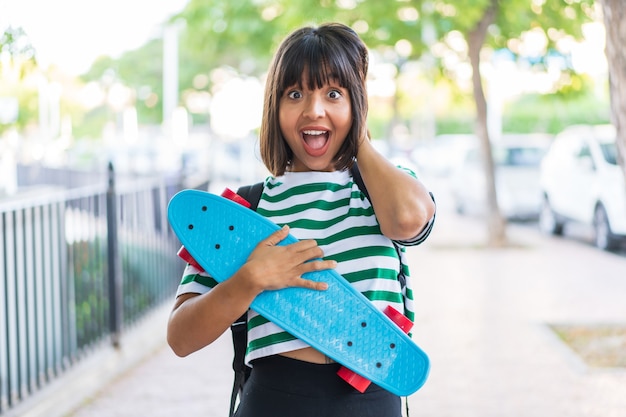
point(284, 387)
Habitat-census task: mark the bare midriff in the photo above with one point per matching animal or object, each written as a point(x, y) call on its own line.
point(308, 355)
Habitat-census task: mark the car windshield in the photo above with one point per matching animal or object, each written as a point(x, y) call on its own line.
point(609, 151)
point(518, 156)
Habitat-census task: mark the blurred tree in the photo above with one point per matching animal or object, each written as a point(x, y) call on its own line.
point(615, 23)
point(15, 44)
point(141, 70)
point(17, 62)
point(501, 24)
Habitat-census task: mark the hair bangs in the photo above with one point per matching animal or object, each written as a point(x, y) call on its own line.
point(316, 62)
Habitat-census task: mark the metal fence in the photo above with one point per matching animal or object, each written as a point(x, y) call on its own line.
point(78, 266)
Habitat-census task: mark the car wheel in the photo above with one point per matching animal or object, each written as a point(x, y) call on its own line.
point(603, 237)
point(548, 221)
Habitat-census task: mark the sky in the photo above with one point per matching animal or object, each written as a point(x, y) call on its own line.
point(73, 33)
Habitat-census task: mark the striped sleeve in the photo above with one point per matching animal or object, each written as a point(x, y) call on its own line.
point(421, 237)
point(196, 281)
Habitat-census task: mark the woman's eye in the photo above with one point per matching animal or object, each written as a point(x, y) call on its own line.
point(294, 94)
point(334, 94)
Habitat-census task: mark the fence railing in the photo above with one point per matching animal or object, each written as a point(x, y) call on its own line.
point(78, 266)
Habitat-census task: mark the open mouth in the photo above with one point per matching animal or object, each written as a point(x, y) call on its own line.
point(315, 141)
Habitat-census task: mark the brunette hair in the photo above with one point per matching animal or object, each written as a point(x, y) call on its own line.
point(331, 51)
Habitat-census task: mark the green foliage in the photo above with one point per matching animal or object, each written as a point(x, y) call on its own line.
point(461, 15)
point(551, 113)
point(142, 284)
point(91, 124)
point(15, 44)
point(513, 17)
point(226, 32)
point(88, 260)
point(140, 70)
point(455, 123)
point(547, 113)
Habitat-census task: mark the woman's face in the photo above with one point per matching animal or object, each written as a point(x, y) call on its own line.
point(315, 123)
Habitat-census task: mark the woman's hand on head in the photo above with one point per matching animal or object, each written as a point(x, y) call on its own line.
point(272, 267)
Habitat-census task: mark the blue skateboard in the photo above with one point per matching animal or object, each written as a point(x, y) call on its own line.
point(340, 322)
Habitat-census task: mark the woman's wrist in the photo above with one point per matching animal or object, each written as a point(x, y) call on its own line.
point(248, 285)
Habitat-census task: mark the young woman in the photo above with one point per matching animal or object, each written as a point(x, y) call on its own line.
point(313, 130)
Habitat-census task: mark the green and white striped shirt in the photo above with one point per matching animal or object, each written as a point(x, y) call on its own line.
point(330, 208)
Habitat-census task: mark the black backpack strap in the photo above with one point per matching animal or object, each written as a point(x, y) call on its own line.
point(252, 194)
point(358, 180)
point(239, 329)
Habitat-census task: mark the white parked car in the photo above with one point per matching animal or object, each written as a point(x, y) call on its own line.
point(516, 161)
point(439, 156)
point(583, 183)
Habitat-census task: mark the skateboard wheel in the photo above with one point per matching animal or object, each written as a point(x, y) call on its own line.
point(186, 256)
point(399, 319)
point(357, 381)
point(233, 196)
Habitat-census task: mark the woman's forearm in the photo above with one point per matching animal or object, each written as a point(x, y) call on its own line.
point(197, 320)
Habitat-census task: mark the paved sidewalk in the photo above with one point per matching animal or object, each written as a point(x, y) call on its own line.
point(165, 385)
point(482, 318)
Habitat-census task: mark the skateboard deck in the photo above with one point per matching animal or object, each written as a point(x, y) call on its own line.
point(340, 322)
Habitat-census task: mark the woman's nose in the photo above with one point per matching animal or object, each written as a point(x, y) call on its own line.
point(314, 107)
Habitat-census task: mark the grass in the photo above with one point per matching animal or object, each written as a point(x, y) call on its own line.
point(600, 346)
